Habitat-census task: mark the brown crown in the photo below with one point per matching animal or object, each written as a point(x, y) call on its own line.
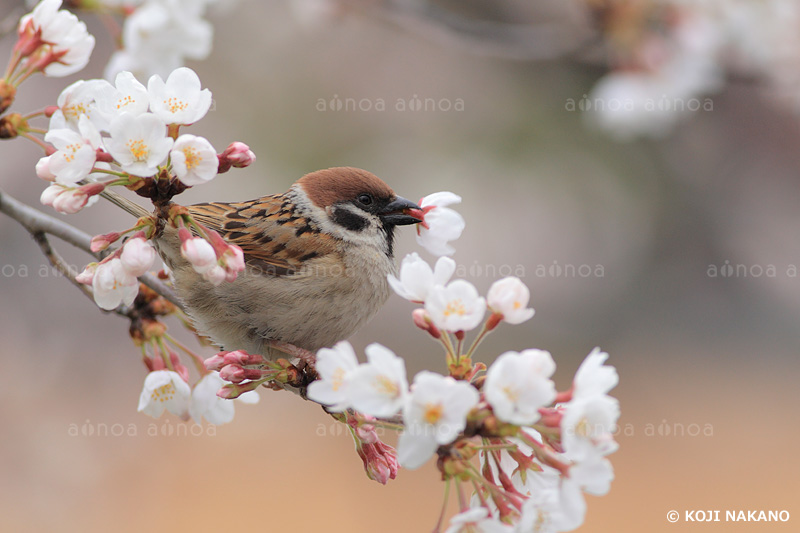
point(342, 184)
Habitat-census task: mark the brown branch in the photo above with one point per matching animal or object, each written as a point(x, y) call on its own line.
point(38, 223)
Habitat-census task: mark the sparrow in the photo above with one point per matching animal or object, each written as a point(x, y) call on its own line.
point(317, 259)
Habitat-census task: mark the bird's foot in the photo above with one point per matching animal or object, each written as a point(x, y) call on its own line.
point(300, 357)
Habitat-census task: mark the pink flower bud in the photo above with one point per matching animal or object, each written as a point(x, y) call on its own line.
point(216, 275)
point(216, 240)
point(423, 322)
point(493, 321)
point(43, 169)
point(103, 156)
point(240, 357)
point(29, 38)
point(50, 194)
point(198, 252)
point(70, 201)
point(215, 362)
point(232, 373)
point(380, 461)
point(101, 242)
point(137, 256)
point(551, 417)
point(232, 261)
point(87, 275)
point(238, 155)
point(231, 390)
point(179, 367)
point(92, 189)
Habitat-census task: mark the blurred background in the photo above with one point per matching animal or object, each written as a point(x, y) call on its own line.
point(676, 252)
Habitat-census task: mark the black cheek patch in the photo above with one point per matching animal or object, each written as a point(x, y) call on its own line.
point(349, 220)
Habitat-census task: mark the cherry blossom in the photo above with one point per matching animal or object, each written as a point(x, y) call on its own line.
point(518, 384)
point(456, 306)
point(417, 278)
point(180, 99)
point(139, 143)
point(113, 285)
point(75, 156)
point(198, 252)
point(509, 297)
point(165, 390)
point(441, 224)
point(159, 36)
point(434, 415)
point(593, 377)
point(55, 40)
point(587, 426)
point(379, 387)
point(77, 100)
point(334, 367)
point(70, 200)
point(137, 256)
point(127, 95)
point(194, 160)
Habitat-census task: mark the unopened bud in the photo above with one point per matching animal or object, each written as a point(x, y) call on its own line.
point(101, 156)
point(215, 362)
point(493, 321)
point(92, 189)
point(380, 461)
point(424, 322)
point(231, 390)
point(101, 242)
point(550, 417)
point(238, 155)
point(87, 276)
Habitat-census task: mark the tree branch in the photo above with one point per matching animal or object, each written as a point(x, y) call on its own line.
point(39, 225)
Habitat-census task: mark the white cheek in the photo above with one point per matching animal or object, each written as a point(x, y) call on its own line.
point(372, 235)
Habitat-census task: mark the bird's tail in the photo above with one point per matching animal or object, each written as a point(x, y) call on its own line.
point(120, 201)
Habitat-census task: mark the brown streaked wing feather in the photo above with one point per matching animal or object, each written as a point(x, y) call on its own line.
point(268, 231)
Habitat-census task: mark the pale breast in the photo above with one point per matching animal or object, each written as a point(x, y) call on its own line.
point(326, 301)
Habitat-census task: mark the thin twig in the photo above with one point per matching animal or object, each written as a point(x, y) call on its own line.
point(37, 222)
point(58, 262)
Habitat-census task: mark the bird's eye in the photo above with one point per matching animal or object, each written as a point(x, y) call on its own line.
point(365, 199)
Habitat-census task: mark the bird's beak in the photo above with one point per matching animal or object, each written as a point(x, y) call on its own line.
point(401, 212)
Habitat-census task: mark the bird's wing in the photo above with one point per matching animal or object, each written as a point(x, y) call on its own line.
point(274, 238)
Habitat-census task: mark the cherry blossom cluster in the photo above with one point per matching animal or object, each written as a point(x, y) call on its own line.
point(526, 451)
point(158, 36)
point(666, 57)
point(51, 41)
point(126, 134)
point(153, 36)
point(103, 135)
point(539, 449)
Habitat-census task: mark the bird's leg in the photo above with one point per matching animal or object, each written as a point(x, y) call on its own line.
point(300, 357)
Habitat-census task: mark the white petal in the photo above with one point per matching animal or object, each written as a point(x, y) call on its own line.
point(414, 451)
